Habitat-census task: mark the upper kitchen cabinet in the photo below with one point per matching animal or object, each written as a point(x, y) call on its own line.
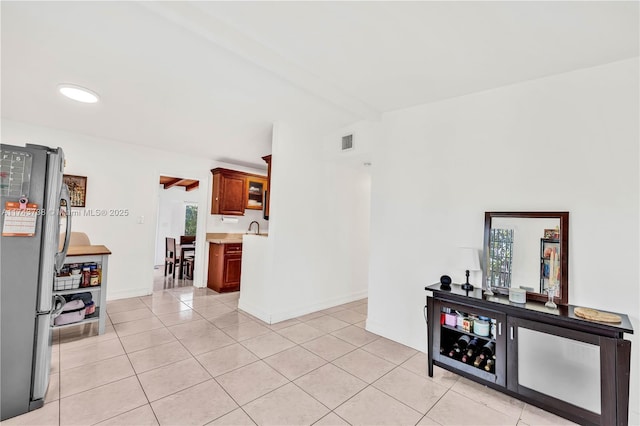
point(229, 192)
point(267, 159)
point(256, 187)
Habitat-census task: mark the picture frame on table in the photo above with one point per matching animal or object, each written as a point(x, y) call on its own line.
point(77, 189)
point(552, 234)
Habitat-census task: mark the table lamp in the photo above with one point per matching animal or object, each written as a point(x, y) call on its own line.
point(469, 260)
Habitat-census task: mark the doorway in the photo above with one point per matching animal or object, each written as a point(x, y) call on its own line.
point(177, 217)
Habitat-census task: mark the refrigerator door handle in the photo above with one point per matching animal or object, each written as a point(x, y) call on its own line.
point(58, 305)
point(60, 256)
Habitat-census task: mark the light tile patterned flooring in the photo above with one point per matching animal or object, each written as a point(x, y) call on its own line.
point(187, 356)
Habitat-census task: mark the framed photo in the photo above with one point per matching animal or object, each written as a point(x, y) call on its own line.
point(552, 234)
point(547, 246)
point(77, 189)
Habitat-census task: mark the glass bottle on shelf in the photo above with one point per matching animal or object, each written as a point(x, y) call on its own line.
point(479, 362)
point(86, 277)
point(489, 366)
point(459, 346)
point(94, 277)
point(445, 343)
point(472, 347)
point(487, 350)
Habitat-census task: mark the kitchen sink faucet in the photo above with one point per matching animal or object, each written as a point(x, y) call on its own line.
point(251, 224)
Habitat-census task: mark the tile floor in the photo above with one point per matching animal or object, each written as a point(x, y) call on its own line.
point(187, 356)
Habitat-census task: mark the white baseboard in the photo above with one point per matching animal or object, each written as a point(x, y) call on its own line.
point(317, 306)
point(125, 294)
point(253, 310)
point(381, 330)
point(275, 317)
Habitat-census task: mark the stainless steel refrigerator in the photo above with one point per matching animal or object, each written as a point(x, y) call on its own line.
point(31, 190)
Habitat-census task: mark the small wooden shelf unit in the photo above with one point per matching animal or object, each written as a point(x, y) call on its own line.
point(85, 254)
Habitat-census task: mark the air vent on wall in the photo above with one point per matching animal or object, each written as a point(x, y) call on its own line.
point(347, 142)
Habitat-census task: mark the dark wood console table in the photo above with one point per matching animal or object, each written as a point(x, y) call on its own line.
point(550, 358)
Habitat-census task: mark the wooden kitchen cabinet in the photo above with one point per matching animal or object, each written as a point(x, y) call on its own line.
point(256, 189)
point(267, 159)
point(235, 191)
point(229, 195)
point(225, 264)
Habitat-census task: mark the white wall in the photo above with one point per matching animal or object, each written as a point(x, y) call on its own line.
point(319, 221)
point(566, 142)
point(171, 215)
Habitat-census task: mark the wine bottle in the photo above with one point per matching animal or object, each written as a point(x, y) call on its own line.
point(459, 346)
point(487, 350)
point(445, 343)
point(479, 362)
point(489, 365)
point(471, 349)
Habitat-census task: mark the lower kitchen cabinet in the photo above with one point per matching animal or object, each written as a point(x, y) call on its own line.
point(225, 264)
point(550, 358)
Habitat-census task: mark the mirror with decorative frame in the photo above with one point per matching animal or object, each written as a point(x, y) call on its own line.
point(520, 249)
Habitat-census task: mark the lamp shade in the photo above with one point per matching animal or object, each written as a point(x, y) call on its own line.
point(468, 259)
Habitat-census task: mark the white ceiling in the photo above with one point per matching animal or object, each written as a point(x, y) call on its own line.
point(210, 78)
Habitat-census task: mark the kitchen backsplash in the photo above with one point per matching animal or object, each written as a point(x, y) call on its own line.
point(215, 223)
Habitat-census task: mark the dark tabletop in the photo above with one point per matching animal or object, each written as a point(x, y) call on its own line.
point(563, 312)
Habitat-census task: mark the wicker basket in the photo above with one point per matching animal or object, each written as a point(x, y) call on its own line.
point(68, 282)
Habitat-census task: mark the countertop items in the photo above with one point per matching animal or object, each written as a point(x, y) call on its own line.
point(595, 315)
point(563, 314)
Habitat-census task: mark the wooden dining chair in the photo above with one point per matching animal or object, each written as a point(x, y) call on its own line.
point(171, 259)
point(187, 239)
point(187, 265)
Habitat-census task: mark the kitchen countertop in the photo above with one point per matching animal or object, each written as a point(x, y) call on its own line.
point(87, 250)
point(227, 238)
point(223, 238)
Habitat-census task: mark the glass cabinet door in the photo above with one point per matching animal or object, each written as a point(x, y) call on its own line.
point(255, 193)
point(563, 367)
point(470, 339)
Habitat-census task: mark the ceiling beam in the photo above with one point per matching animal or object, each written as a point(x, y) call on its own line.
point(192, 186)
point(198, 21)
point(173, 182)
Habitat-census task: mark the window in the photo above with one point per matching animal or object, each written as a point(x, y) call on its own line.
point(190, 219)
point(501, 255)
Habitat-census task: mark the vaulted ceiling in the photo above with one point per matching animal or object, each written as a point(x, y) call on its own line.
point(210, 78)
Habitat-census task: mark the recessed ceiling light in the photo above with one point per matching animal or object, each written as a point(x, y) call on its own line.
point(78, 93)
